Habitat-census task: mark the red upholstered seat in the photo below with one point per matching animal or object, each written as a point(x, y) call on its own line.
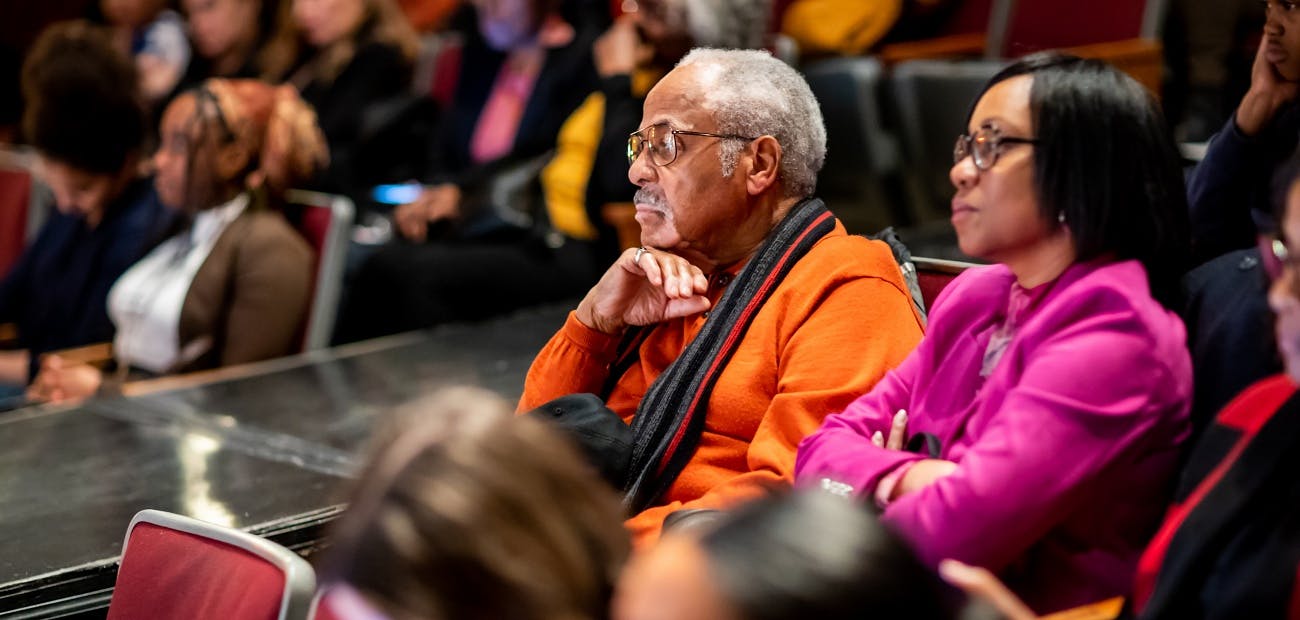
point(181, 568)
point(326, 223)
point(15, 199)
point(934, 274)
point(1052, 24)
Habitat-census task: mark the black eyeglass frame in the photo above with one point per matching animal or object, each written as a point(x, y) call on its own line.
point(636, 142)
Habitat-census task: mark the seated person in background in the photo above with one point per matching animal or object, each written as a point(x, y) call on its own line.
point(463, 511)
point(87, 123)
point(1229, 547)
point(525, 67)
point(632, 55)
point(239, 39)
point(233, 286)
point(1229, 188)
point(790, 557)
point(1227, 314)
point(854, 27)
point(359, 53)
point(154, 35)
point(747, 315)
point(1057, 382)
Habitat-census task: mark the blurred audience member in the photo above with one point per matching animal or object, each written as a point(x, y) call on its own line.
point(1230, 194)
point(463, 511)
point(854, 27)
point(239, 39)
point(155, 36)
point(475, 244)
point(234, 285)
point(1049, 398)
point(1230, 187)
point(632, 55)
point(86, 121)
point(748, 313)
point(360, 54)
point(789, 557)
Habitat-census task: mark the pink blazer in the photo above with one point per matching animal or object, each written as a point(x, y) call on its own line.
point(1065, 453)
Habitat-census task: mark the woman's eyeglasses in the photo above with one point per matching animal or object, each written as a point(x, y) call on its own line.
point(661, 140)
point(1275, 257)
point(984, 146)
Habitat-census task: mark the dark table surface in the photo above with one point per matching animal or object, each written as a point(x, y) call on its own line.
point(263, 448)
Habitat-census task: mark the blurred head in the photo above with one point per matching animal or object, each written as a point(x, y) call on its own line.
point(673, 27)
point(231, 135)
point(465, 511)
point(131, 13)
point(84, 116)
point(1282, 38)
point(770, 143)
point(511, 24)
point(1280, 257)
point(222, 27)
point(804, 555)
point(324, 22)
point(1101, 174)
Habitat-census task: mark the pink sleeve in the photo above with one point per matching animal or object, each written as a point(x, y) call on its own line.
point(841, 450)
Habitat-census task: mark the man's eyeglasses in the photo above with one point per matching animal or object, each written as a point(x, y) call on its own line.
point(1287, 6)
point(661, 140)
point(984, 146)
point(1275, 256)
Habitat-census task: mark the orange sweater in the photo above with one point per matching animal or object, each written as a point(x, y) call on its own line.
point(839, 320)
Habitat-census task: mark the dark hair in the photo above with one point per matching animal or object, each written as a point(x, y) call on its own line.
point(1105, 160)
point(83, 102)
point(815, 555)
point(465, 511)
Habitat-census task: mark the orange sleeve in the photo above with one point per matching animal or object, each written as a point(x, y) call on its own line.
point(861, 329)
point(575, 360)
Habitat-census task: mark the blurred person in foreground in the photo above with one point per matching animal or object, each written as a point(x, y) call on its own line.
point(463, 511)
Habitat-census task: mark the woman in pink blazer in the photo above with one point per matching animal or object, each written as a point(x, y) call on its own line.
point(1056, 382)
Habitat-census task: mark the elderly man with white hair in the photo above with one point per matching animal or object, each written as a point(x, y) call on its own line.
point(747, 314)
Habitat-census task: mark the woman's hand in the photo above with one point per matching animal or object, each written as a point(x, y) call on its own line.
point(919, 474)
point(978, 583)
point(59, 381)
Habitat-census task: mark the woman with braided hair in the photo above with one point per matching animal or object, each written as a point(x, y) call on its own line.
point(233, 285)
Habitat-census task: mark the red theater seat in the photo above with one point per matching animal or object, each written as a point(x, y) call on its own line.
point(182, 568)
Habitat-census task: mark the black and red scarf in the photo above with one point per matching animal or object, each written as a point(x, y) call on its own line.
point(670, 418)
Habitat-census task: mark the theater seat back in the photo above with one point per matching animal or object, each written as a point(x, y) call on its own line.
point(934, 275)
point(326, 223)
point(175, 567)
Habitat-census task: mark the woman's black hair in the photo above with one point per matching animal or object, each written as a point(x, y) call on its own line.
point(1106, 161)
point(815, 555)
point(83, 107)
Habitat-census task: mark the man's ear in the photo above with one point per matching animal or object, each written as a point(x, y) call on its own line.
point(231, 159)
point(764, 160)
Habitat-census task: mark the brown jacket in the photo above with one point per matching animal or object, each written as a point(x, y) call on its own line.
point(251, 296)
